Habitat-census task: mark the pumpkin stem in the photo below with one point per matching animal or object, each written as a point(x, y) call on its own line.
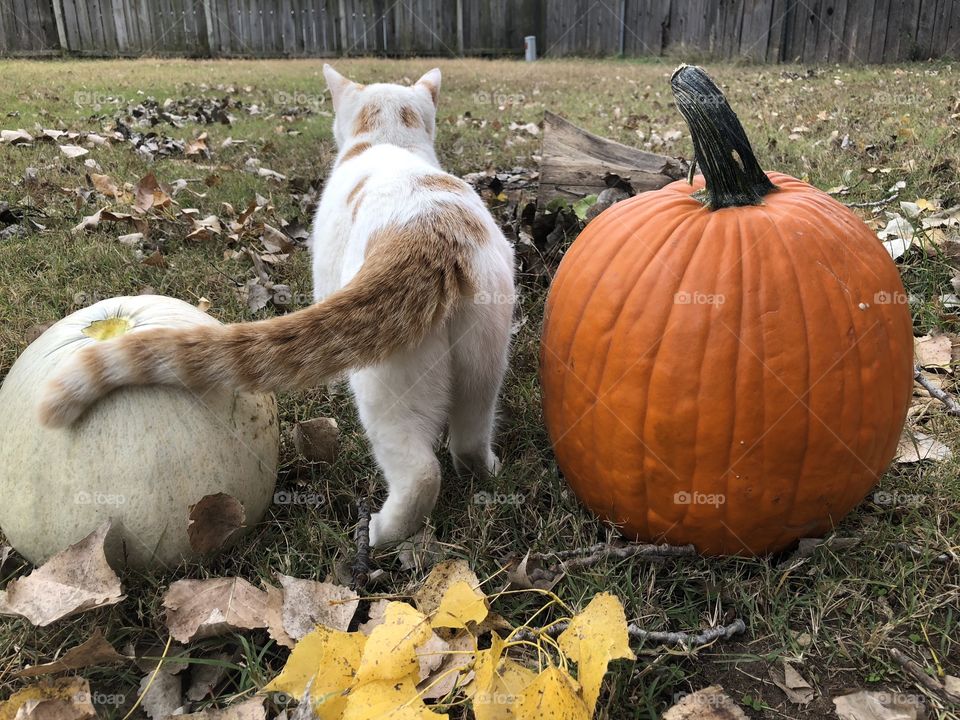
point(733, 176)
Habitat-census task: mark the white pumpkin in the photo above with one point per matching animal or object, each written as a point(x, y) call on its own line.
point(142, 455)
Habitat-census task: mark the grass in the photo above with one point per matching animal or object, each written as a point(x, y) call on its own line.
point(834, 614)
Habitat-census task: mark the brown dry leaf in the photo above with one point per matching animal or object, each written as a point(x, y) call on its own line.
point(205, 228)
point(131, 239)
point(214, 520)
point(419, 551)
point(308, 603)
point(161, 695)
point(105, 215)
point(441, 578)
point(276, 241)
point(318, 440)
point(203, 304)
point(797, 690)
point(531, 574)
point(916, 446)
point(252, 709)
point(274, 617)
point(204, 677)
point(105, 185)
point(149, 194)
point(62, 699)
point(95, 651)
point(932, 352)
point(155, 259)
point(197, 609)
point(72, 581)
point(73, 151)
point(711, 703)
point(198, 146)
point(448, 671)
point(870, 705)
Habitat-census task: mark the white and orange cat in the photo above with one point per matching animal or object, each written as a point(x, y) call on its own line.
point(413, 283)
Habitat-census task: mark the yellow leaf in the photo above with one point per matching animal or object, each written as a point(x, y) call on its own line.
point(498, 682)
point(553, 694)
point(387, 700)
point(63, 697)
point(461, 604)
point(390, 652)
point(924, 204)
point(444, 575)
point(330, 659)
point(594, 638)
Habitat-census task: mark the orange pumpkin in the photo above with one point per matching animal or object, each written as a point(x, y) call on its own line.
point(729, 368)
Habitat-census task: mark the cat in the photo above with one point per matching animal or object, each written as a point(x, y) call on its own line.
point(414, 290)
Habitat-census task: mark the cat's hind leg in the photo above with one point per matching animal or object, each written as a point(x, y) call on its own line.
point(403, 404)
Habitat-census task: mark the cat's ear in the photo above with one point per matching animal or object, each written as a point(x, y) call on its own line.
point(430, 82)
point(337, 83)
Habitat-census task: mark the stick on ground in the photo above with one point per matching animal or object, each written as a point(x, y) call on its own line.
point(361, 565)
point(953, 407)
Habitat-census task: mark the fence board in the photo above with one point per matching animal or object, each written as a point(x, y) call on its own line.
point(808, 31)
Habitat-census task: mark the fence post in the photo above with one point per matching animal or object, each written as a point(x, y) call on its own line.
point(212, 49)
point(343, 27)
point(61, 29)
point(460, 46)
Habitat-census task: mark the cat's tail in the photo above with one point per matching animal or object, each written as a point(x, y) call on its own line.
point(410, 281)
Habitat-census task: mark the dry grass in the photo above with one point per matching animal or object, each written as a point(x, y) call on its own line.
point(835, 613)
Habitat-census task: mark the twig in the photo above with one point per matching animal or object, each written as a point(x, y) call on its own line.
point(874, 203)
point(919, 675)
point(656, 636)
point(361, 565)
point(917, 552)
point(953, 407)
point(587, 557)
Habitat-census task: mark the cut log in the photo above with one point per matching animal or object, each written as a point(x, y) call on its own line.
point(574, 163)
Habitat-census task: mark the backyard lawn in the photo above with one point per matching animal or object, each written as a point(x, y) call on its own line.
point(232, 133)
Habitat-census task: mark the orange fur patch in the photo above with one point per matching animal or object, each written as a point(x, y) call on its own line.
point(355, 151)
point(410, 117)
point(367, 119)
point(446, 183)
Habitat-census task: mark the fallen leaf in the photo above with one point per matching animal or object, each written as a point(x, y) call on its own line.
point(932, 351)
point(318, 440)
point(149, 193)
point(710, 703)
point(73, 151)
point(552, 694)
point(62, 699)
point(252, 709)
point(443, 575)
point(390, 652)
point(15, 137)
point(498, 682)
point(105, 185)
point(71, 582)
point(376, 613)
point(214, 520)
point(308, 603)
point(461, 605)
point(593, 638)
point(870, 705)
point(274, 617)
point(916, 446)
point(797, 690)
point(131, 239)
point(205, 228)
point(197, 609)
point(205, 676)
point(161, 695)
point(420, 550)
point(531, 574)
point(452, 670)
point(326, 660)
point(94, 652)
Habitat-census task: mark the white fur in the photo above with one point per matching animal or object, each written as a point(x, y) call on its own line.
point(453, 377)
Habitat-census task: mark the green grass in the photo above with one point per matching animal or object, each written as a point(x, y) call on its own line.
point(853, 604)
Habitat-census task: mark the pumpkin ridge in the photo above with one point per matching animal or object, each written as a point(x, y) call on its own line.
point(644, 418)
point(792, 488)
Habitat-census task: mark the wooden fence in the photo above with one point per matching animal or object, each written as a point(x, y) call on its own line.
point(808, 31)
